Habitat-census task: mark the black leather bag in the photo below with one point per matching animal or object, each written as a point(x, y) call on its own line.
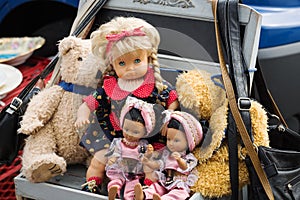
point(274, 171)
point(10, 116)
point(281, 137)
point(281, 162)
point(282, 168)
point(284, 138)
point(9, 124)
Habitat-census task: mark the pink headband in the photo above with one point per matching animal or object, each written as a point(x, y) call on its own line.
point(192, 127)
point(146, 109)
point(112, 38)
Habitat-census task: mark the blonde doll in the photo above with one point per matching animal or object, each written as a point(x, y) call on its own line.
point(128, 47)
point(184, 132)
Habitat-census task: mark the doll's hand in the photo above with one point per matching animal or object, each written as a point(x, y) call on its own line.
point(81, 121)
point(83, 114)
point(145, 160)
point(164, 130)
point(181, 162)
point(111, 160)
point(149, 151)
point(176, 155)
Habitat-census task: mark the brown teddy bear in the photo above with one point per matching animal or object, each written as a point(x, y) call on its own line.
point(200, 95)
point(53, 140)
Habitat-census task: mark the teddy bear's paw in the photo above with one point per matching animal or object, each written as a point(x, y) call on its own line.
point(45, 172)
point(30, 128)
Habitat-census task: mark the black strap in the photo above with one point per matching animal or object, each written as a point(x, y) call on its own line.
point(16, 102)
point(233, 156)
point(231, 130)
point(42, 75)
point(236, 64)
point(230, 33)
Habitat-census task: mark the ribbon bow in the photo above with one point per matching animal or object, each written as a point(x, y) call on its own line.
point(112, 38)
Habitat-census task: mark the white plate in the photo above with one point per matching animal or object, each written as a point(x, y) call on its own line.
point(13, 78)
point(3, 78)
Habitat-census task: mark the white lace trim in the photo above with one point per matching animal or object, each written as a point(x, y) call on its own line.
point(130, 85)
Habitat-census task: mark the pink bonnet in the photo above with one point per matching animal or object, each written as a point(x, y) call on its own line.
point(191, 126)
point(146, 109)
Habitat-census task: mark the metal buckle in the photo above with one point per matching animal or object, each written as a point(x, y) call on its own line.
point(16, 103)
point(244, 103)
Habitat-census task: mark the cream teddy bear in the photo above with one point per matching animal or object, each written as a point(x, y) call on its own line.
point(53, 140)
point(199, 94)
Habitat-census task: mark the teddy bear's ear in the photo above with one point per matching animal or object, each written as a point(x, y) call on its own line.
point(66, 44)
point(198, 93)
point(193, 93)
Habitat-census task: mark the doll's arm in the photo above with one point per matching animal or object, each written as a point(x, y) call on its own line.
point(40, 109)
point(83, 114)
point(181, 162)
point(153, 164)
point(89, 105)
point(150, 158)
point(114, 152)
point(112, 160)
point(174, 105)
point(149, 151)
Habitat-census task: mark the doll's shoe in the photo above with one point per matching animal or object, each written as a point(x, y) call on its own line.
point(91, 186)
point(169, 180)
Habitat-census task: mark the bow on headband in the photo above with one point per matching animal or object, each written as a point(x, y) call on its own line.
point(112, 38)
point(146, 109)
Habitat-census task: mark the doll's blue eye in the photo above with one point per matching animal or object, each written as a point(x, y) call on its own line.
point(122, 63)
point(137, 60)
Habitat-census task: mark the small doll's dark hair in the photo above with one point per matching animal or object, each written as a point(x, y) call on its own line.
point(174, 123)
point(134, 114)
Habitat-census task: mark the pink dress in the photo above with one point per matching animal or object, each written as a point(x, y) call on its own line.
point(128, 169)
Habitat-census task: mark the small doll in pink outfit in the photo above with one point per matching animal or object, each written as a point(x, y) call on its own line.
point(152, 165)
point(184, 132)
point(138, 120)
point(128, 47)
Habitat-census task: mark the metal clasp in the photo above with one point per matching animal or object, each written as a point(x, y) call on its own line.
point(244, 103)
point(16, 103)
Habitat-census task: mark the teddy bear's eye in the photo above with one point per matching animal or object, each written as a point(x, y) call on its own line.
point(79, 58)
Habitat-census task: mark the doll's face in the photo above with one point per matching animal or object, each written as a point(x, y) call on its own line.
point(176, 140)
point(132, 65)
point(133, 131)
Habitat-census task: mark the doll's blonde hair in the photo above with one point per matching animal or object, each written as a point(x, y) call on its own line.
point(148, 42)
